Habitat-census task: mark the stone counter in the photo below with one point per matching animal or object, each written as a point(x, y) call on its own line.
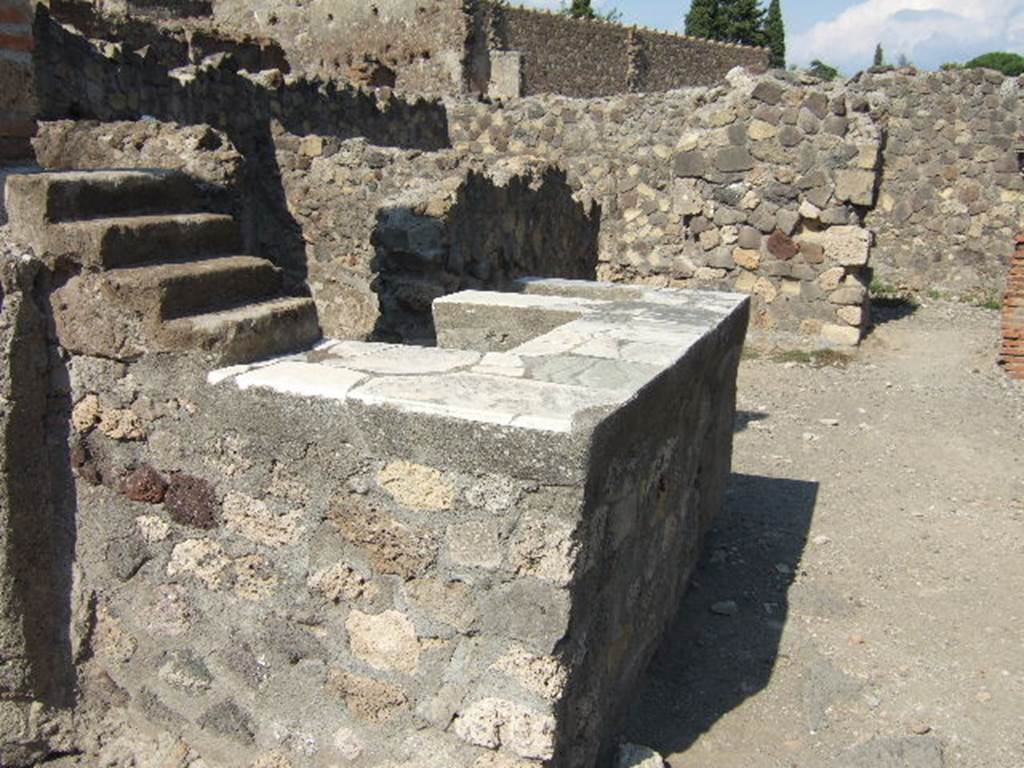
point(382, 555)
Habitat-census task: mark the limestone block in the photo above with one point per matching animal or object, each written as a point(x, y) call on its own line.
point(831, 278)
point(848, 294)
point(842, 335)
point(852, 315)
point(495, 723)
point(476, 544)
point(810, 211)
point(201, 558)
point(766, 289)
point(746, 258)
point(543, 675)
point(759, 130)
point(746, 281)
point(855, 186)
point(253, 519)
point(372, 700)
point(392, 546)
point(385, 641)
point(849, 246)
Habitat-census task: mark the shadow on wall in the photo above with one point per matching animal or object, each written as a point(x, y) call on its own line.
point(39, 533)
point(724, 642)
point(493, 233)
point(80, 80)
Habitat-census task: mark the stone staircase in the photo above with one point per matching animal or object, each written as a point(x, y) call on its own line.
point(156, 273)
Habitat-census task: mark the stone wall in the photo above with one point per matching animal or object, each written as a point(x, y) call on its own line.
point(37, 526)
point(83, 78)
point(760, 186)
point(951, 192)
point(1012, 353)
point(380, 253)
point(757, 186)
point(17, 83)
point(169, 40)
point(422, 43)
point(587, 58)
point(268, 576)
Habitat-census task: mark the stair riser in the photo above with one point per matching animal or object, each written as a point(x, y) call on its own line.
point(270, 335)
point(120, 246)
point(218, 290)
point(38, 199)
point(75, 201)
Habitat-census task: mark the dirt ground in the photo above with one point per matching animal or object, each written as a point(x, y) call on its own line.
point(861, 600)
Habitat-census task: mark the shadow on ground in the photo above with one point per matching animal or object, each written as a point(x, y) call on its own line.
point(745, 418)
point(723, 644)
point(887, 309)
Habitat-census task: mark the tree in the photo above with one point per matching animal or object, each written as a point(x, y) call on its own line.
point(1010, 64)
point(823, 70)
point(741, 21)
point(581, 9)
point(775, 34)
point(879, 56)
point(704, 20)
point(902, 61)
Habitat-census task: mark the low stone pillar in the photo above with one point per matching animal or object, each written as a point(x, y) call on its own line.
point(1012, 354)
point(17, 81)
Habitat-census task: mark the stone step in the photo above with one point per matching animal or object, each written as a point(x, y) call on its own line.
point(185, 288)
point(247, 333)
point(131, 241)
point(47, 198)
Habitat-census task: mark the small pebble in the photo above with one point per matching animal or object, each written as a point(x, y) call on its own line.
point(920, 728)
point(829, 422)
point(822, 540)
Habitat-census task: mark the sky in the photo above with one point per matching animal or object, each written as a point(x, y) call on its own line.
point(844, 33)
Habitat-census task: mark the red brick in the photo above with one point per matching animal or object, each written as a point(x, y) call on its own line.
point(17, 42)
point(19, 14)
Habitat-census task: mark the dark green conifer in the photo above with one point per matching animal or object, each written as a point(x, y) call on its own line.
point(775, 34)
point(741, 21)
point(581, 9)
point(703, 20)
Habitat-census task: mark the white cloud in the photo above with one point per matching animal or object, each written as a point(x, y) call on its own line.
point(928, 32)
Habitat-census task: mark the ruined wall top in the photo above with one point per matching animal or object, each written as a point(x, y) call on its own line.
point(449, 47)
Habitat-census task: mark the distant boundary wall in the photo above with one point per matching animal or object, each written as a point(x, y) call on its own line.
point(586, 58)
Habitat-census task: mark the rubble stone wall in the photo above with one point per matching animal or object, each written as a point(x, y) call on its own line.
point(423, 42)
point(769, 186)
point(379, 253)
point(92, 79)
point(264, 580)
point(759, 187)
point(951, 193)
point(586, 58)
point(17, 82)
